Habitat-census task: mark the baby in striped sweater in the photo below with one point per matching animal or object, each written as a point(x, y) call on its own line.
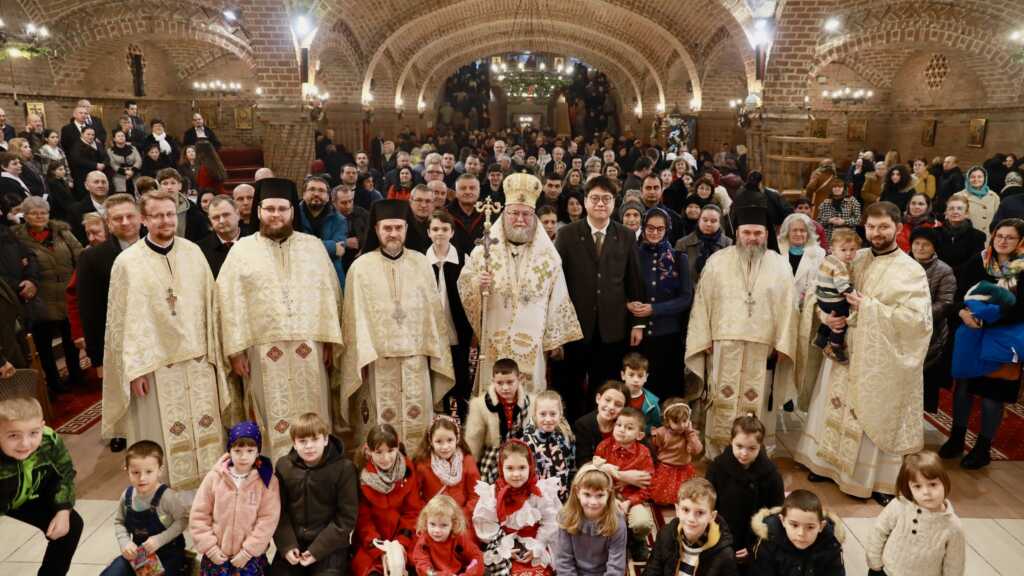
point(832, 287)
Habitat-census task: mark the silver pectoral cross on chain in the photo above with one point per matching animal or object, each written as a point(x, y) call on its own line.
point(749, 301)
point(171, 301)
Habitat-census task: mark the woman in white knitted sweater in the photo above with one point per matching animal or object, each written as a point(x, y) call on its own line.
point(918, 533)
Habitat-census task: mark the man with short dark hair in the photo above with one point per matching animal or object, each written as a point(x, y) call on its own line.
point(469, 222)
point(131, 110)
point(192, 222)
point(224, 219)
point(358, 219)
point(552, 191)
point(651, 195)
point(421, 202)
point(491, 187)
point(316, 216)
point(641, 169)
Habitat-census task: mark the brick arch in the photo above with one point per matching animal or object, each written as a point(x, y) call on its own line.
point(618, 75)
point(611, 49)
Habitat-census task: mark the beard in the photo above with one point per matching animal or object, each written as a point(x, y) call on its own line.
point(751, 253)
point(519, 235)
point(882, 243)
point(279, 234)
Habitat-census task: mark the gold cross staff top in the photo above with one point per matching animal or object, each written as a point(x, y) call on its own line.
point(488, 207)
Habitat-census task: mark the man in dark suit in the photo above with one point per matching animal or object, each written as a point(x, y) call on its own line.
point(71, 133)
point(224, 218)
point(97, 186)
point(200, 130)
point(469, 222)
point(602, 273)
point(135, 135)
point(6, 128)
point(93, 277)
point(131, 110)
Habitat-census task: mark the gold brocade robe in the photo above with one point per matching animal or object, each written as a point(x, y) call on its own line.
point(395, 329)
point(161, 323)
point(743, 336)
point(529, 311)
point(279, 303)
point(880, 393)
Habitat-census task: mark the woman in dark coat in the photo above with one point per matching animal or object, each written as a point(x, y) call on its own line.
point(898, 187)
point(959, 240)
point(667, 300)
point(942, 286)
point(87, 155)
point(1001, 263)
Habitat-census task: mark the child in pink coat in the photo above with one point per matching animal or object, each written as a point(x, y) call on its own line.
point(236, 509)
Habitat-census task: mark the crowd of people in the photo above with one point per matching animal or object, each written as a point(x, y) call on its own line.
point(526, 383)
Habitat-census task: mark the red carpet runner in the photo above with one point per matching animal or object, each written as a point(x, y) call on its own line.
point(1009, 441)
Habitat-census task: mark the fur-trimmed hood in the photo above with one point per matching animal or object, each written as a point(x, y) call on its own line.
point(767, 525)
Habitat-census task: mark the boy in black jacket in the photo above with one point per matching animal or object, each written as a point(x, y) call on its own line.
point(695, 543)
point(797, 539)
point(746, 480)
point(319, 503)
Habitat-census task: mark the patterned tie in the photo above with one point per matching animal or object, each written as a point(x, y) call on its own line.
point(599, 242)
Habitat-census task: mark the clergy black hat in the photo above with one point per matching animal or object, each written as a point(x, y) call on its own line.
point(282, 188)
point(750, 214)
point(384, 210)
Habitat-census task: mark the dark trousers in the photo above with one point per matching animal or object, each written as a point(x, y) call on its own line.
point(458, 397)
point(590, 363)
point(44, 333)
point(57, 560)
point(665, 364)
point(334, 565)
point(837, 339)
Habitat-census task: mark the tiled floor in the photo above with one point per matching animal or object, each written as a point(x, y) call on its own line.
point(990, 502)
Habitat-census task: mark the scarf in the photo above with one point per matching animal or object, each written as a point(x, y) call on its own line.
point(18, 180)
point(977, 192)
point(41, 236)
point(508, 415)
point(511, 499)
point(383, 481)
point(165, 146)
point(448, 472)
point(250, 429)
point(123, 151)
point(796, 250)
point(1005, 275)
point(955, 230)
point(662, 253)
point(708, 246)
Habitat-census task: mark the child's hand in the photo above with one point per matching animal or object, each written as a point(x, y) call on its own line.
point(241, 559)
point(216, 555)
point(150, 545)
point(624, 506)
point(130, 551)
point(307, 559)
point(59, 526)
point(742, 553)
point(293, 556)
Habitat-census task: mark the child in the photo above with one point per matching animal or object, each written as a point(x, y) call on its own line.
point(746, 481)
point(624, 452)
point(151, 517)
point(389, 503)
point(675, 443)
point(798, 538)
point(236, 509)
point(832, 287)
point(497, 416)
point(694, 538)
point(445, 466)
point(594, 427)
point(592, 530)
point(918, 532)
point(34, 452)
point(319, 502)
point(551, 441)
point(516, 517)
point(444, 546)
point(634, 374)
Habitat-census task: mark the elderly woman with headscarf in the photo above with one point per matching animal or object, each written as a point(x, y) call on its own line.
point(666, 304)
point(984, 202)
point(798, 240)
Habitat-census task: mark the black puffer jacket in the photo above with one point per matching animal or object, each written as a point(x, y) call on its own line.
point(319, 503)
point(775, 555)
point(717, 557)
point(743, 491)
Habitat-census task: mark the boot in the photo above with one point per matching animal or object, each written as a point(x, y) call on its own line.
point(638, 550)
point(839, 354)
point(954, 447)
point(979, 456)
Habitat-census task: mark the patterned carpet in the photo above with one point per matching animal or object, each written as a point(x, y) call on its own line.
point(1009, 441)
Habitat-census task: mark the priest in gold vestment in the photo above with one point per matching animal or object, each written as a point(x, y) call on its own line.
point(162, 376)
point(397, 363)
point(742, 319)
point(280, 317)
point(529, 312)
point(865, 416)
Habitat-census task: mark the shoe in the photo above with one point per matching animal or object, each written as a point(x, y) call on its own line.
point(821, 341)
point(954, 447)
point(979, 456)
point(839, 354)
point(812, 477)
point(118, 444)
point(789, 406)
point(829, 352)
point(882, 499)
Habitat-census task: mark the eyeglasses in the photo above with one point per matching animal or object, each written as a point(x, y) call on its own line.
point(655, 229)
point(519, 214)
point(606, 199)
point(1004, 238)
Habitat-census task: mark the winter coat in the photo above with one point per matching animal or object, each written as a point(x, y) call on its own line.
point(483, 427)
point(949, 183)
point(319, 502)
point(717, 557)
point(742, 492)
point(390, 516)
point(925, 184)
point(120, 161)
point(429, 485)
point(907, 540)
point(690, 245)
point(57, 257)
point(983, 210)
point(958, 245)
point(903, 238)
point(775, 555)
point(942, 285)
point(333, 231)
point(458, 555)
point(670, 305)
point(234, 518)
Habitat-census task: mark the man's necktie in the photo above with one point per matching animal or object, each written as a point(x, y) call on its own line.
point(599, 242)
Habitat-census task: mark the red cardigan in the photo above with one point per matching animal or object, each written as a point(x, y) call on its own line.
point(463, 493)
point(636, 457)
point(456, 556)
point(390, 516)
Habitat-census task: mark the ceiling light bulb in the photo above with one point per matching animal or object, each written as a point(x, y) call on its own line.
point(832, 24)
point(230, 15)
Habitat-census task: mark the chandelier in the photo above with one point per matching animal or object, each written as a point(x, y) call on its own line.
point(847, 95)
point(26, 43)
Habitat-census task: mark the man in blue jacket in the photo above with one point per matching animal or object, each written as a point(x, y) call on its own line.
point(318, 217)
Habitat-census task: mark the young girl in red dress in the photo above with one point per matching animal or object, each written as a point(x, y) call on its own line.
point(444, 465)
point(444, 546)
point(389, 503)
point(675, 444)
point(517, 518)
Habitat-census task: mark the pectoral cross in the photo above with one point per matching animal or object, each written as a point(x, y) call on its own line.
point(398, 315)
point(749, 301)
point(171, 301)
point(488, 207)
